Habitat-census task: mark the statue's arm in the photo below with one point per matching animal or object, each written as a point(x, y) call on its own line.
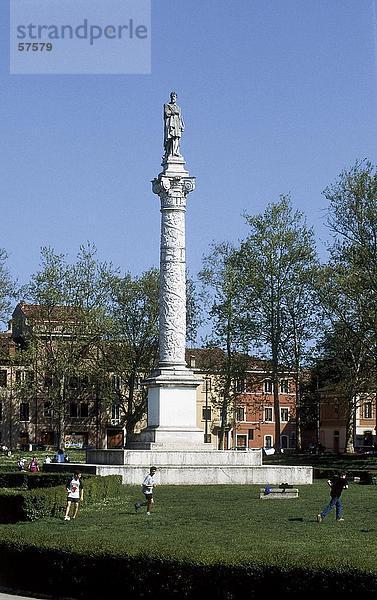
point(167, 111)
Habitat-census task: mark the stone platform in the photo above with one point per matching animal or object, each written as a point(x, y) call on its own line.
point(216, 467)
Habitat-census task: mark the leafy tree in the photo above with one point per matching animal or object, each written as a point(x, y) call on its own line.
point(131, 347)
point(220, 279)
point(276, 263)
point(64, 326)
point(347, 284)
point(344, 368)
point(348, 287)
point(7, 287)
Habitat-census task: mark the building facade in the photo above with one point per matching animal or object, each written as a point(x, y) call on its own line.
point(251, 414)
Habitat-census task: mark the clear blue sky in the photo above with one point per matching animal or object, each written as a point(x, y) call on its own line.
point(278, 97)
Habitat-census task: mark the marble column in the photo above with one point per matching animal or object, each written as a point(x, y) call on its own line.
point(172, 387)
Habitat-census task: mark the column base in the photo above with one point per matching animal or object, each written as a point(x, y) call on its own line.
point(172, 410)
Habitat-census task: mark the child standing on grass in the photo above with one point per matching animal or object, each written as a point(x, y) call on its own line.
point(337, 484)
point(147, 489)
point(75, 490)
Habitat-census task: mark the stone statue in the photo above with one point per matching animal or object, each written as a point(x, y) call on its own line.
point(173, 127)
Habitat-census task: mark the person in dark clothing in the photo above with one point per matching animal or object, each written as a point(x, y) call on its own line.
point(337, 483)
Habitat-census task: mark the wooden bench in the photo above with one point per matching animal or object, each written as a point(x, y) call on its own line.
point(278, 493)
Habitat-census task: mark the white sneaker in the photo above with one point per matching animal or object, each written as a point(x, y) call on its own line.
point(67, 518)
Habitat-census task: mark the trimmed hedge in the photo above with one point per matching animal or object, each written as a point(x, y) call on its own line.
point(29, 505)
point(94, 576)
point(31, 481)
point(366, 477)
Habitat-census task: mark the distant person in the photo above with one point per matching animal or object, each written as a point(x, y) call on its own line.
point(337, 484)
point(147, 489)
point(75, 495)
point(33, 465)
point(47, 460)
point(21, 464)
point(60, 456)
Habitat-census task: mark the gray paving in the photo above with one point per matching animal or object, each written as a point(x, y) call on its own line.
point(13, 597)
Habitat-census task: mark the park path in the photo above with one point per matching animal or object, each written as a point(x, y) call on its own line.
point(10, 596)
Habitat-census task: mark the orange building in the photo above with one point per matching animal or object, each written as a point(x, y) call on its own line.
point(251, 415)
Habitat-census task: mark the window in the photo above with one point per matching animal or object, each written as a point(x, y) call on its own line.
point(18, 377)
point(3, 378)
point(84, 410)
point(78, 410)
point(206, 413)
point(240, 386)
point(268, 413)
point(116, 382)
point(240, 414)
point(24, 411)
point(368, 438)
point(284, 415)
point(115, 412)
point(267, 386)
point(284, 441)
point(367, 410)
point(30, 377)
point(241, 441)
point(268, 441)
point(206, 385)
point(73, 382)
point(47, 409)
point(250, 434)
point(284, 386)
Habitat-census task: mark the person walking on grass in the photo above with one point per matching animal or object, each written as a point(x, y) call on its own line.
point(147, 489)
point(75, 491)
point(337, 484)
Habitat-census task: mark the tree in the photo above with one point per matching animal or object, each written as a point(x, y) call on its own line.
point(275, 265)
point(131, 347)
point(344, 367)
point(347, 284)
point(7, 287)
point(349, 281)
point(62, 329)
point(220, 279)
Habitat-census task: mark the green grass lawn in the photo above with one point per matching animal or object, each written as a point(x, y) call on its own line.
point(217, 524)
point(10, 462)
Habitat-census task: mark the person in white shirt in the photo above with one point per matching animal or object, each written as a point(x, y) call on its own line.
point(147, 488)
point(75, 490)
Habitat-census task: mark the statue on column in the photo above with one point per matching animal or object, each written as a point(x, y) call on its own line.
point(173, 127)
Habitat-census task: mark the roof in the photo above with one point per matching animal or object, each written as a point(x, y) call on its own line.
point(40, 312)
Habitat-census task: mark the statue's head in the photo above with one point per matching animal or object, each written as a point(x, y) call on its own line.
point(173, 96)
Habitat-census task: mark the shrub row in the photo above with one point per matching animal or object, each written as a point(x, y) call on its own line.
point(94, 576)
point(29, 505)
point(366, 477)
point(30, 481)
